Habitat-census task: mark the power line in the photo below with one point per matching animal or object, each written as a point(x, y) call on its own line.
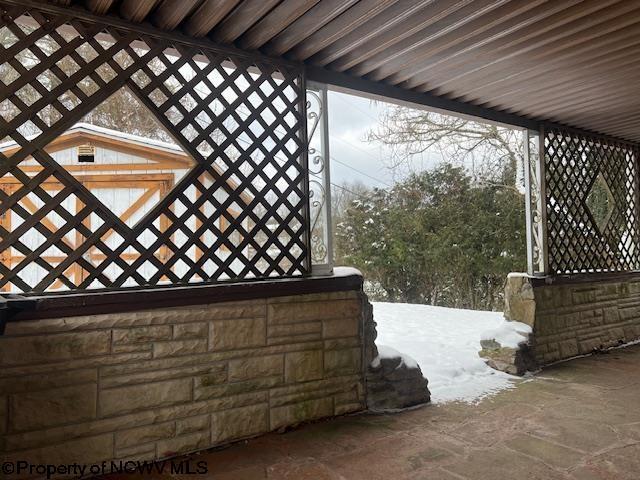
point(352, 145)
point(344, 100)
point(347, 190)
point(333, 159)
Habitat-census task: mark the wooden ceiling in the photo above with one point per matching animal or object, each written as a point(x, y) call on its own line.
point(575, 62)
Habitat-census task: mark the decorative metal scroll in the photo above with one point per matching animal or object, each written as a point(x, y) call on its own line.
point(535, 206)
point(319, 179)
point(591, 203)
point(240, 118)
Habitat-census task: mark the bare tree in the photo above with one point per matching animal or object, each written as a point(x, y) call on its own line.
point(342, 197)
point(493, 154)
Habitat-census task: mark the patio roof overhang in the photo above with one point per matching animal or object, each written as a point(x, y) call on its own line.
point(573, 62)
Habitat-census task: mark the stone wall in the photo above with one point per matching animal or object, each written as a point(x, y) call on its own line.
point(155, 383)
point(571, 319)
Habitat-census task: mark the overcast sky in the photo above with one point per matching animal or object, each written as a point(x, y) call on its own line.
point(350, 118)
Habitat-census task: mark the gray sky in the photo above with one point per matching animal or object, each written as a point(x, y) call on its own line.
point(350, 118)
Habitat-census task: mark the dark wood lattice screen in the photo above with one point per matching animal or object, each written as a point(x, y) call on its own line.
point(240, 118)
point(591, 203)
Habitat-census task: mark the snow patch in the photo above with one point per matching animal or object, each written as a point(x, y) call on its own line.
point(346, 271)
point(508, 334)
point(445, 343)
point(517, 275)
point(385, 351)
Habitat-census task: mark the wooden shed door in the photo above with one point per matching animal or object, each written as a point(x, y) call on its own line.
point(128, 195)
point(5, 225)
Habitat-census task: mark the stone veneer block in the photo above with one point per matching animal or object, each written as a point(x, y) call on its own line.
point(310, 329)
point(37, 410)
point(50, 348)
point(239, 423)
point(307, 311)
point(301, 412)
point(191, 330)
point(192, 424)
point(256, 367)
point(342, 362)
point(570, 319)
point(237, 333)
point(155, 383)
point(204, 392)
point(146, 434)
point(48, 380)
point(179, 347)
point(341, 327)
point(129, 399)
point(210, 371)
point(142, 334)
point(303, 366)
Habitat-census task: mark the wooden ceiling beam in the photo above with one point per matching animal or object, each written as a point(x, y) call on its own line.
point(274, 23)
point(442, 28)
point(542, 84)
point(475, 36)
point(629, 132)
point(620, 122)
point(99, 7)
point(361, 13)
point(310, 22)
point(589, 56)
point(390, 22)
point(551, 80)
point(504, 40)
point(448, 31)
point(543, 39)
point(552, 93)
point(593, 118)
point(241, 19)
point(603, 98)
point(137, 10)
point(169, 14)
point(207, 16)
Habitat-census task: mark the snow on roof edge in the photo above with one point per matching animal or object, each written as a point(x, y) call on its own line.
point(108, 132)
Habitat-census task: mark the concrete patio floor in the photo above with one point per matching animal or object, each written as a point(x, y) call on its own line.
point(577, 420)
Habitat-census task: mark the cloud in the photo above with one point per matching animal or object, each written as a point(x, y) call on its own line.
point(350, 119)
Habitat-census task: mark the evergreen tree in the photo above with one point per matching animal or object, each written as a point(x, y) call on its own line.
point(436, 238)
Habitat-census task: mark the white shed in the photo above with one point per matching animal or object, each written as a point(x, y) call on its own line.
point(129, 174)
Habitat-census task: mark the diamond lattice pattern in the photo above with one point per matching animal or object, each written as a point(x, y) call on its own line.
point(240, 212)
point(591, 202)
point(600, 202)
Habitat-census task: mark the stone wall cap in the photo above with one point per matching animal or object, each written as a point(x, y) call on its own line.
point(581, 278)
point(68, 304)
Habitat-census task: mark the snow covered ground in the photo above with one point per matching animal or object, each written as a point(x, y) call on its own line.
point(445, 343)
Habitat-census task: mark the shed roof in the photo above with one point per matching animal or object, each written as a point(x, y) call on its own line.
point(113, 139)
